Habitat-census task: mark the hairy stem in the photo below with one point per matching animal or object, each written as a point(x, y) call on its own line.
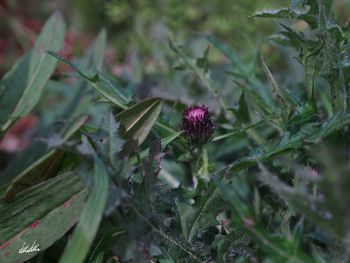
point(165, 236)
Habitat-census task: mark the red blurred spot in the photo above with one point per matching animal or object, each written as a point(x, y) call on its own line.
point(4, 245)
point(35, 224)
point(73, 41)
point(7, 253)
point(42, 47)
point(66, 203)
point(32, 24)
point(17, 137)
point(248, 222)
point(23, 124)
point(311, 173)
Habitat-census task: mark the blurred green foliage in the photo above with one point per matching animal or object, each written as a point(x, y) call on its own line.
point(145, 25)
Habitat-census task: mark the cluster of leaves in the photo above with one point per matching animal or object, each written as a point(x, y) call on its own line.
point(272, 186)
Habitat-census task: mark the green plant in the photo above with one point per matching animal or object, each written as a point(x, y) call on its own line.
point(270, 186)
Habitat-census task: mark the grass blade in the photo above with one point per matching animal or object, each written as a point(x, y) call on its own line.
point(85, 232)
point(34, 73)
point(42, 214)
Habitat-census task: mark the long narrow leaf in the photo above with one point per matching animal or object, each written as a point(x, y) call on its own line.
point(84, 234)
point(34, 71)
point(41, 214)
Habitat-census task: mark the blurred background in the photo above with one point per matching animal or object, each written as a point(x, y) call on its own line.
point(139, 29)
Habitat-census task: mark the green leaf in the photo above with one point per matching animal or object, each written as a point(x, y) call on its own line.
point(113, 84)
point(167, 131)
point(78, 100)
point(41, 214)
point(203, 62)
point(86, 229)
point(36, 154)
point(24, 84)
point(296, 38)
point(98, 50)
point(115, 142)
point(274, 13)
point(15, 78)
point(97, 81)
point(138, 120)
point(186, 213)
point(99, 251)
point(195, 218)
point(276, 91)
point(302, 115)
point(203, 171)
point(243, 129)
point(242, 113)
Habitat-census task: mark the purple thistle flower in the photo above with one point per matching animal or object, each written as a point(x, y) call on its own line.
point(197, 125)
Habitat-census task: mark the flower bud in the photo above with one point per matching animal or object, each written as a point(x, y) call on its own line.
point(197, 125)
